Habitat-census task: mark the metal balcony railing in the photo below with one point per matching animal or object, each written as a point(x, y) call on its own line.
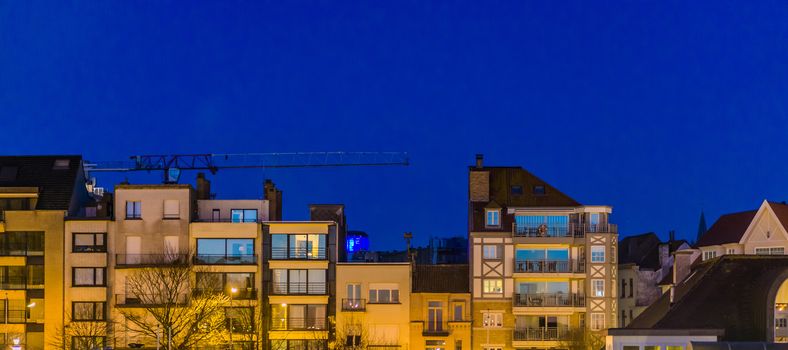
point(298, 323)
point(204, 259)
point(541, 333)
point(127, 260)
point(149, 300)
point(549, 299)
point(13, 316)
point(435, 330)
point(354, 304)
point(315, 253)
point(548, 266)
point(13, 283)
point(299, 288)
point(561, 231)
point(234, 221)
point(241, 294)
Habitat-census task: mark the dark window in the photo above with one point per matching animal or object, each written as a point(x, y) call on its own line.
point(631, 288)
point(539, 190)
point(13, 277)
point(243, 215)
point(88, 310)
point(458, 345)
point(623, 318)
point(630, 314)
point(35, 276)
point(133, 210)
point(22, 244)
point(623, 287)
point(8, 173)
point(517, 189)
point(88, 276)
point(89, 242)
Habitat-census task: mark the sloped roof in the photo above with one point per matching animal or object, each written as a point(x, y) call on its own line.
point(641, 250)
point(727, 293)
point(441, 279)
point(729, 228)
point(55, 185)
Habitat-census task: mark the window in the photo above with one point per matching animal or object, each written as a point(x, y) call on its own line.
point(492, 319)
point(243, 215)
point(711, 254)
point(22, 244)
point(88, 310)
point(597, 321)
point(216, 215)
point(88, 276)
point(730, 251)
point(61, 164)
point(491, 252)
point(542, 225)
point(383, 293)
point(493, 218)
point(225, 251)
point(133, 210)
point(674, 347)
point(597, 254)
point(517, 189)
point(91, 212)
point(435, 345)
point(651, 347)
point(298, 317)
point(458, 307)
point(88, 342)
point(434, 316)
point(781, 323)
point(493, 286)
point(770, 251)
point(623, 318)
point(35, 276)
point(239, 319)
point(89, 242)
point(623, 287)
point(631, 347)
point(458, 345)
point(598, 287)
point(172, 209)
point(631, 287)
point(298, 247)
point(539, 190)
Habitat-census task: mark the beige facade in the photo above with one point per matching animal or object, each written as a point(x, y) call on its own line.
point(374, 304)
point(765, 234)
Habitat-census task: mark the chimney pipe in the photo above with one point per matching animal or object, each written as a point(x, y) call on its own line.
point(479, 160)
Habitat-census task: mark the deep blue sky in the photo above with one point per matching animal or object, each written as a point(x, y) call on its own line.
point(658, 108)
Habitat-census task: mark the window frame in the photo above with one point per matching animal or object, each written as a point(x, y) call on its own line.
point(484, 285)
point(136, 212)
point(101, 248)
point(497, 252)
point(74, 276)
point(103, 313)
point(594, 290)
point(376, 292)
point(492, 319)
point(171, 216)
point(595, 257)
point(496, 218)
point(596, 317)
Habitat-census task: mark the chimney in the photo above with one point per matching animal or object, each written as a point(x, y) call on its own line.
point(274, 197)
point(479, 160)
point(664, 254)
point(203, 187)
point(682, 262)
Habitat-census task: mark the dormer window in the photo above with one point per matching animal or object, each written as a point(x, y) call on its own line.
point(61, 164)
point(517, 189)
point(539, 190)
point(493, 218)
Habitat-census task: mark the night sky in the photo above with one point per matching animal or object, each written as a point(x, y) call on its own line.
point(658, 108)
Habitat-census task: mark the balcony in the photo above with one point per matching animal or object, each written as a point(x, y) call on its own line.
point(13, 316)
point(148, 260)
point(234, 221)
point(548, 266)
point(354, 304)
point(562, 231)
point(549, 300)
point(149, 300)
point(13, 283)
point(298, 288)
point(435, 330)
point(280, 253)
point(203, 259)
point(299, 324)
point(241, 294)
point(541, 333)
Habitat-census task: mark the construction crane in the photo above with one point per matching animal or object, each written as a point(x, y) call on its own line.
point(172, 164)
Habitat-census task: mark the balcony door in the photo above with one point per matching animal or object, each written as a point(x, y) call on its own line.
point(133, 249)
point(435, 316)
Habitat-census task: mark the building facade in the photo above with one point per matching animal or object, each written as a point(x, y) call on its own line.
point(440, 308)
point(762, 232)
point(543, 265)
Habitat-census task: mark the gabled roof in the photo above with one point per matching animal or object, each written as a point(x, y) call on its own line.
point(729, 228)
point(56, 184)
point(503, 178)
point(441, 279)
point(727, 293)
point(641, 250)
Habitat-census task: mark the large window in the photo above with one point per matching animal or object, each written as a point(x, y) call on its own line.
point(542, 225)
point(243, 215)
point(597, 254)
point(172, 209)
point(225, 251)
point(299, 281)
point(597, 321)
point(35, 276)
point(383, 293)
point(493, 286)
point(89, 242)
point(13, 277)
point(298, 246)
point(22, 243)
point(240, 319)
point(88, 310)
point(89, 276)
point(243, 282)
point(298, 317)
point(434, 316)
point(710, 254)
point(133, 210)
point(770, 251)
point(542, 260)
point(598, 288)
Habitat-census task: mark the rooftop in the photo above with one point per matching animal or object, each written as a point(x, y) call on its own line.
point(441, 279)
point(55, 177)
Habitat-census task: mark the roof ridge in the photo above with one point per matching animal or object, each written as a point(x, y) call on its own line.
point(673, 306)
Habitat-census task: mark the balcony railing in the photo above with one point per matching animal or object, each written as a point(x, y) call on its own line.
point(126, 260)
point(13, 316)
point(435, 330)
point(561, 231)
point(203, 259)
point(299, 288)
point(149, 300)
point(354, 304)
point(13, 283)
point(280, 253)
point(241, 294)
point(548, 266)
point(550, 299)
point(234, 221)
point(541, 333)
point(298, 323)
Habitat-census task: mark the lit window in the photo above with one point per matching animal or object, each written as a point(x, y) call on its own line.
point(770, 251)
point(243, 215)
point(598, 287)
point(491, 252)
point(781, 323)
point(711, 254)
point(88, 310)
point(493, 286)
point(492, 319)
point(88, 276)
point(383, 293)
point(597, 254)
point(133, 209)
point(493, 218)
point(674, 347)
point(597, 321)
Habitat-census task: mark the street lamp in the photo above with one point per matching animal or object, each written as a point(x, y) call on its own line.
point(233, 290)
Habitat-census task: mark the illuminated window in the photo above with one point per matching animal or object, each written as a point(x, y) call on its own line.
point(781, 323)
point(770, 251)
point(492, 319)
point(61, 164)
point(243, 215)
point(711, 254)
point(674, 347)
point(88, 276)
point(494, 286)
point(597, 321)
point(88, 310)
point(491, 252)
point(435, 344)
point(598, 287)
point(597, 254)
point(493, 218)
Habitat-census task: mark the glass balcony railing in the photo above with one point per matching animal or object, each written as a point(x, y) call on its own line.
point(151, 259)
point(548, 266)
point(561, 231)
point(208, 259)
point(283, 253)
point(549, 300)
point(299, 323)
point(541, 333)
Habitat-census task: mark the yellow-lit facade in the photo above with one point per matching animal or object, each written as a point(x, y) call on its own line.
point(452, 332)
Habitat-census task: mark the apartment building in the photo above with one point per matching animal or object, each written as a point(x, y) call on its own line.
point(37, 194)
point(761, 232)
point(373, 305)
point(544, 266)
point(440, 307)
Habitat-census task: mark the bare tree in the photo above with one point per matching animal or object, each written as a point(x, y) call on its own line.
point(355, 334)
point(174, 311)
point(82, 334)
